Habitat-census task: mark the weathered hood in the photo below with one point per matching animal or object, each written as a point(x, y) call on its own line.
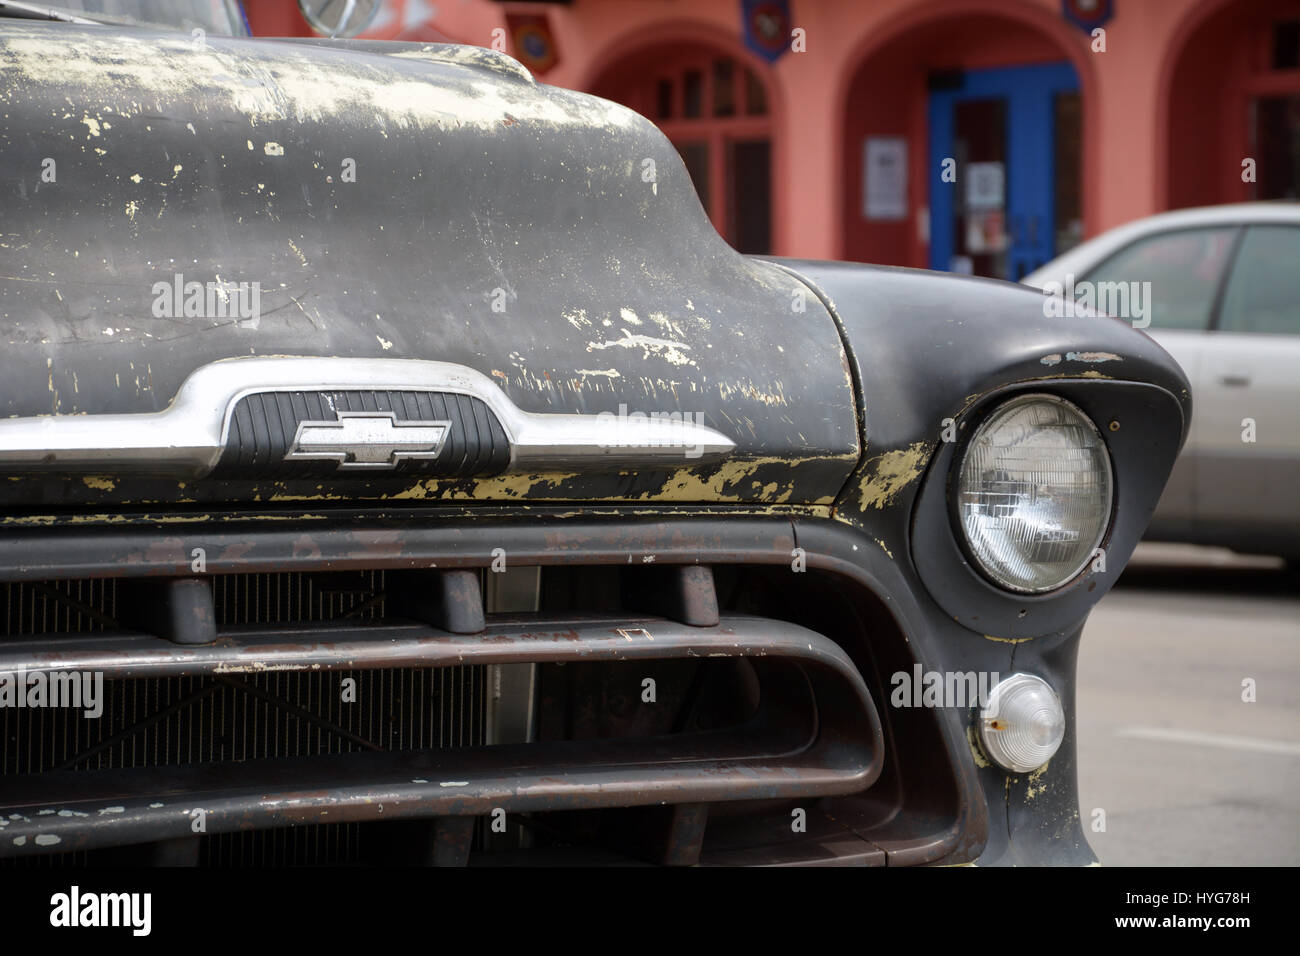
point(429, 203)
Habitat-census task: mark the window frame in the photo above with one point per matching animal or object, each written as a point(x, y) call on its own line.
point(717, 133)
point(1231, 267)
point(1238, 230)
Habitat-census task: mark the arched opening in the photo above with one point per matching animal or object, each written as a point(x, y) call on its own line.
point(964, 139)
point(1233, 130)
point(716, 109)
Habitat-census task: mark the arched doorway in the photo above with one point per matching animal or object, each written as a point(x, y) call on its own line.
point(1246, 108)
point(717, 110)
point(964, 139)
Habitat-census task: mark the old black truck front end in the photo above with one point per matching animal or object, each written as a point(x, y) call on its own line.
point(395, 465)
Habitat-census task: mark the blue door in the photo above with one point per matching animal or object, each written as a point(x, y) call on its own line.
point(1004, 168)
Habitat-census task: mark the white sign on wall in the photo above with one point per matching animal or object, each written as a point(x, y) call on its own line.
point(884, 178)
point(986, 185)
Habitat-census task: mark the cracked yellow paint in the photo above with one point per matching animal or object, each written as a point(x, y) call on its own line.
point(888, 474)
point(49, 520)
point(502, 486)
point(450, 514)
point(980, 759)
point(686, 485)
point(1033, 778)
point(732, 481)
point(1006, 640)
point(99, 483)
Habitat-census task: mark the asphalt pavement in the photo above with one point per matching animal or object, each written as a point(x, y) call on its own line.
point(1186, 769)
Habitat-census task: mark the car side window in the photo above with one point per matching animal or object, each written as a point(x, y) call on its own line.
point(1263, 294)
point(1183, 267)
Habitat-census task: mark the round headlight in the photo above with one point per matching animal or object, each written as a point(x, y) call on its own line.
point(1034, 493)
point(1022, 723)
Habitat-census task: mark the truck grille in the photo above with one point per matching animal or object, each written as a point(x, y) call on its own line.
point(360, 715)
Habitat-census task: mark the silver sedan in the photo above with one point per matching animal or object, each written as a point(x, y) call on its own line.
point(1219, 288)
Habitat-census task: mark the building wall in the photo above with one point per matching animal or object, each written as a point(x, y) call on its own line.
point(865, 70)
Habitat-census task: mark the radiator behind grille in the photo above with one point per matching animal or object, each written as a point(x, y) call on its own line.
point(87, 606)
point(174, 721)
point(163, 721)
point(313, 845)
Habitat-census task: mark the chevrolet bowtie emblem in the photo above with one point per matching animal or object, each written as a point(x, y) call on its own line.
point(367, 440)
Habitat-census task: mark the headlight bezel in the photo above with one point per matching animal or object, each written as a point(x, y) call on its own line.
point(1142, 425)
point(977, 427)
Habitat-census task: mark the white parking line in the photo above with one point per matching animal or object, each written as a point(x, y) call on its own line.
point(1257, 744)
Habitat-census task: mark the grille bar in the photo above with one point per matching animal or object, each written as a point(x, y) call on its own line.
point(404, 644)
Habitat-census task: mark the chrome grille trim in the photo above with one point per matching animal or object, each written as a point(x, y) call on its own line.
point(187, 438)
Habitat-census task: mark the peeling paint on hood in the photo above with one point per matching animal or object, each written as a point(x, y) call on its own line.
point(387, 201)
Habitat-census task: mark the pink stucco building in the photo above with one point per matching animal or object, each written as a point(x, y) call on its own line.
point(978, 135)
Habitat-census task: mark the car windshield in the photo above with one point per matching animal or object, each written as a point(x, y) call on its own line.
point(218, 17)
